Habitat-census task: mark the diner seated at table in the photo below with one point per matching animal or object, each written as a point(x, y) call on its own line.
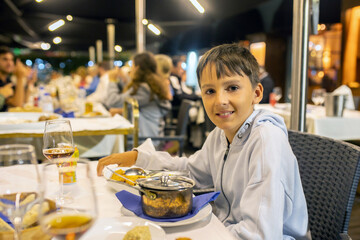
point(16, 76)
point(101, 90)
point(247, 157)
point(148, 88)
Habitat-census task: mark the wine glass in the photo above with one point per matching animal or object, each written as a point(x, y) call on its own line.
point(318, 96)
point(58, 148)
point(278, 93)
point(18, 197)
point(73, 218)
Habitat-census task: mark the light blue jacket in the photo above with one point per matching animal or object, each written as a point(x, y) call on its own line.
point(257, 174)
point(151, 111)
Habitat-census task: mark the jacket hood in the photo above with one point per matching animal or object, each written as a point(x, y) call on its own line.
point(262, 116)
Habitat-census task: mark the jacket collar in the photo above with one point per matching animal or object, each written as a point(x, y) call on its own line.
point(243, 132)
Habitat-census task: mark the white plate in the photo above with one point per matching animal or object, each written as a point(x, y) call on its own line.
point(22, 120)
point(115, 228)
point(202, 214)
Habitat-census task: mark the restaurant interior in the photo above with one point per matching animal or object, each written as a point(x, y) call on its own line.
point(63, 46)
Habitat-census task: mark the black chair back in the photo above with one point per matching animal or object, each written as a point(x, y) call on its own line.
point(330, 172)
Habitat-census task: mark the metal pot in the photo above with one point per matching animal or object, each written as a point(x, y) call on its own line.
point(166, 196)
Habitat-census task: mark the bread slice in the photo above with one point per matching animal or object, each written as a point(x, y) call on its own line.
point(138, 233)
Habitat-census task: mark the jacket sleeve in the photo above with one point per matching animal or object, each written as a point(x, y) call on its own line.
point(151, 159)
point(262, 205)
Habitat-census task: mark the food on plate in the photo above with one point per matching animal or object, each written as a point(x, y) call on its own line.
point(47, 117)
point(138, 233)
point(4, 227)
point(122, 173)
point(31, 216)
point(25, 109)
point(92, 114)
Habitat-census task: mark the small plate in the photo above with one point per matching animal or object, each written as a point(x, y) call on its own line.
point(202, 214)
point(115, 228)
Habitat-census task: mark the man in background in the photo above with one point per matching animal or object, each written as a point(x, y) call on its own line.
point(10, 95)
point(268, 84)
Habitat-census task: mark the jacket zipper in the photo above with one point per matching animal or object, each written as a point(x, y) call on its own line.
point(221, 183)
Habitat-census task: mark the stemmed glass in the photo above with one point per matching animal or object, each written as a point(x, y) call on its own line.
point(278, 93)
point(318, 96)
point(73, 218)
point(16, 198)
point(58, 148)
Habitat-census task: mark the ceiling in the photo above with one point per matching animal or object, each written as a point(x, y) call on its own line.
point(26, 21)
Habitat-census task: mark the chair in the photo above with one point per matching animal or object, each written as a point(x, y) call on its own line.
point(180, 128)
point(330, 172)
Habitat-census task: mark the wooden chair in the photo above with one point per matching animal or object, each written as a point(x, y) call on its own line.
point(330, 171)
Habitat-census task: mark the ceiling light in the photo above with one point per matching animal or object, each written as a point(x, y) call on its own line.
point(57, 40)
point(56, 25)
point(197, 6)
point(39, 1)
point(118, 48)
point(154, 29)
point(45, 46)
point(145, 21)
point(69, 18)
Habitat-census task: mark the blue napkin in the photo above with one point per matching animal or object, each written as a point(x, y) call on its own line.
point(64, 114)
point(2, 216)
point(132, 202)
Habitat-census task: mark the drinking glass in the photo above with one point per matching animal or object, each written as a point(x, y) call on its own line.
point(73, 218)
point(59, 147)
point(16, 197)
point(318, 96)
point(278, 93)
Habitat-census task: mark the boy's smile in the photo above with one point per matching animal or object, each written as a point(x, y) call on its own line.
point(228, 101)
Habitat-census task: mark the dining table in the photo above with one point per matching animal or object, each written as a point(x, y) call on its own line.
point(94, 137)
point(346, 127)
point(110, 209)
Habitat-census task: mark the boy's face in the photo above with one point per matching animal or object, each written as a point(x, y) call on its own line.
point(228, 101)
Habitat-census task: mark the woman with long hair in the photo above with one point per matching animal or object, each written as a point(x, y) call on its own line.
point(149, 89)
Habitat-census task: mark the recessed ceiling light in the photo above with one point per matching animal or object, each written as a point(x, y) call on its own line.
point(56, 25)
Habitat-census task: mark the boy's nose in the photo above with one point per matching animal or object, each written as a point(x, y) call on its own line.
point(221, 99)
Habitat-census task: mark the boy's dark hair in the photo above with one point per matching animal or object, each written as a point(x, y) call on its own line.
point(230, 59)
point(4, 50)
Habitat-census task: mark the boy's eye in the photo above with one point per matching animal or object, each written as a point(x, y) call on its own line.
point(232, 88)
point(209, 91)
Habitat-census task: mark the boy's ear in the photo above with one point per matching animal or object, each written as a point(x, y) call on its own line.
point(258, 93)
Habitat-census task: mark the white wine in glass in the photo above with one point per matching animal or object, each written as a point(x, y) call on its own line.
point(58, 147)
point(72, 218)
point(17, 198)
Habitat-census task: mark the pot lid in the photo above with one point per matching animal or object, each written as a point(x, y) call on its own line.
point(166, 182)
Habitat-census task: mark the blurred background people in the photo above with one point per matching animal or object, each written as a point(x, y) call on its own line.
point(268, 84)
point(93, 78)
point(148, 88)
point(178, 84)
point(164, 67)
point(18, 95)
point(100, 93)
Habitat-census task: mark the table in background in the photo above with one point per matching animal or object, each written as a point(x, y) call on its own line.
point(209, 228)
point(94, 137)
point(341, 128)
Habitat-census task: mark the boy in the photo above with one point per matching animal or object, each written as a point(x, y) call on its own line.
point(247, 157)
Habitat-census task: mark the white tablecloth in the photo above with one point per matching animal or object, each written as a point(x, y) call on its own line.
point(342, 128)
point(109, 206)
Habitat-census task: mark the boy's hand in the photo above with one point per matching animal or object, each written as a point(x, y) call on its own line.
point(125, 159)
